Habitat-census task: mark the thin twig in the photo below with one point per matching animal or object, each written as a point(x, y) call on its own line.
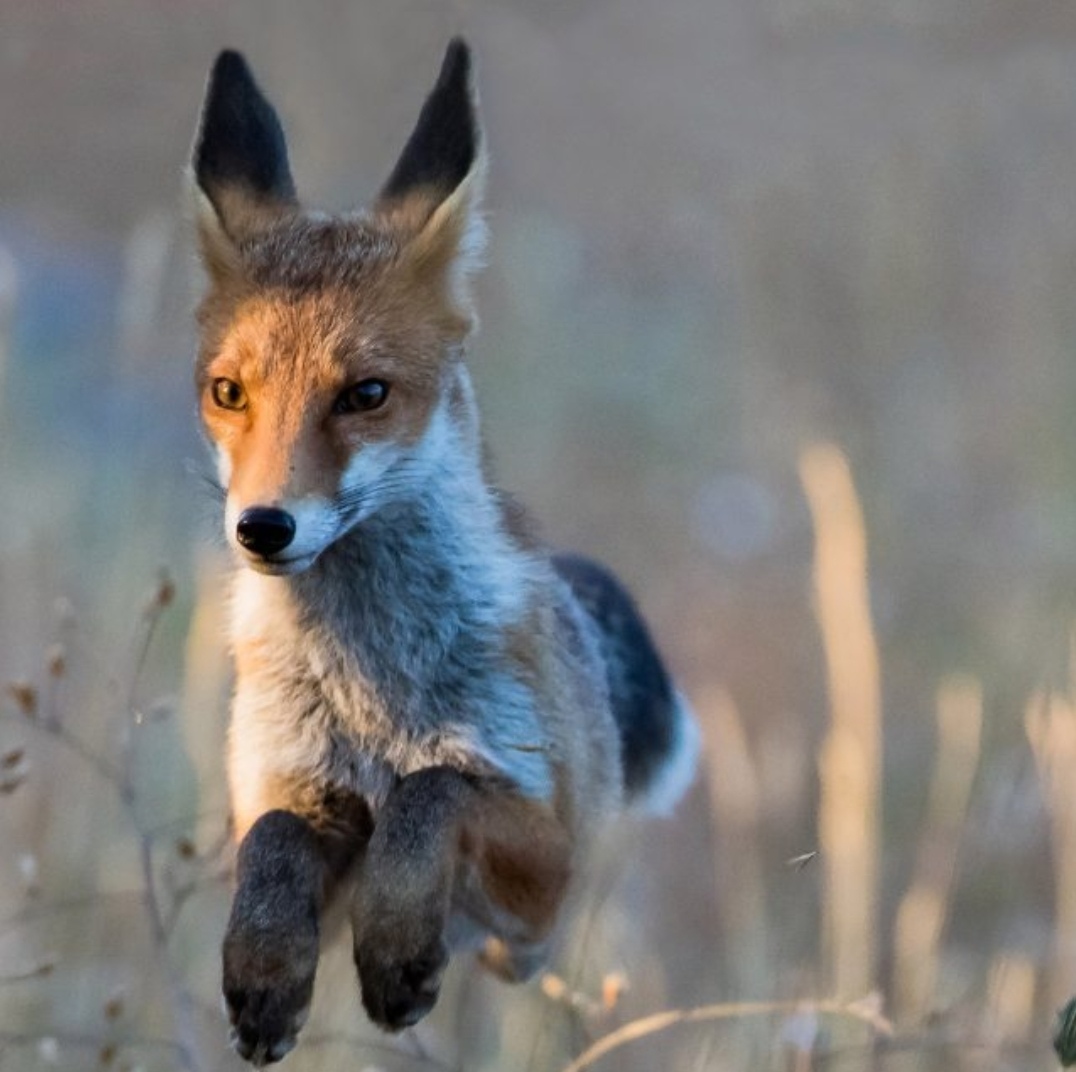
point(72, 743)
point(559, 991)
point(662, 1021)
point(150, 617)
point(85, 1040)
point(183, 1004)
point(356, 1042)
point(418, 1048)
point(121, 779)
point(35, 971)
point(181, 895)
point(27, 917)
point(598, 895)
point(184, 822)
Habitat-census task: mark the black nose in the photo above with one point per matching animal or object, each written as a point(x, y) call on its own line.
point(264, 530)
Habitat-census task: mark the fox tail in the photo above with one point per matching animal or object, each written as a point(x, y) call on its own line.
point(659, 737)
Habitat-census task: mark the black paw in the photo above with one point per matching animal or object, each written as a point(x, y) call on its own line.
point(268, 984)
point(399, 986)
point(265, 1024)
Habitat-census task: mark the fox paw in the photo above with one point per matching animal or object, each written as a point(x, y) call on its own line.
point(267, 990)
point(265, 1024)
point(398, 987)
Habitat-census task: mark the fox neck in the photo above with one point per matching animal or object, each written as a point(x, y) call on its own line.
point(420, 569)
point(425, 579)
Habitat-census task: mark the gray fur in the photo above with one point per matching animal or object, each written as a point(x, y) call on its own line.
point(311, 251)
point(391, 645)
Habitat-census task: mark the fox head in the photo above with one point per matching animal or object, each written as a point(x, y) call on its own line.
point(330, 371)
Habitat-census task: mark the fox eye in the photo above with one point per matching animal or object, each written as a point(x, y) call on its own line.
point(361, 397)
point(228, 394)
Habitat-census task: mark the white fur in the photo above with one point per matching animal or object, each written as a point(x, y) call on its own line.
point(224, 467)
point(678, 772)
point(366, 467)
point(463, 205)
point(451, 452)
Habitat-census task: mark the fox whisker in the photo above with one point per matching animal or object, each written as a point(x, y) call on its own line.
point(401, 478)
point(206, 481)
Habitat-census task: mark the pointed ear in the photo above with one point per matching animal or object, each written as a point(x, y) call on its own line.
point(240, 161)
point(436, 186)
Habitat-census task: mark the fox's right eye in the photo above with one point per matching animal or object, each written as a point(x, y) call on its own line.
point(361, 397)
point(228, 394)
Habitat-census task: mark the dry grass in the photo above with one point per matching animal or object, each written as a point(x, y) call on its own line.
point(850, 762)
point(1050, 722)
point(924, 907)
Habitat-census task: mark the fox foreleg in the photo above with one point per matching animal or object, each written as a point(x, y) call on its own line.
point(288, 869)
point(436, 826)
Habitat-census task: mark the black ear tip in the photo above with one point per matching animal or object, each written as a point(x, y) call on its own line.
point(229, 68)
point(240, 140)
point(457, 52)
point(457, 63)
point(444, 145)
point(229, 57)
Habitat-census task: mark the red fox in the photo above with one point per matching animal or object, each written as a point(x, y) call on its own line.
point(433, 713)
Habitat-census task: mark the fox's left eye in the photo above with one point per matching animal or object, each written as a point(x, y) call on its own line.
point(361, 397)
point(228, 394)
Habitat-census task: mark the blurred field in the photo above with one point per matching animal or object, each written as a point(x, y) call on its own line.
point(779, 322)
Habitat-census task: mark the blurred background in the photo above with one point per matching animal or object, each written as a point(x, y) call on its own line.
point(779, 322)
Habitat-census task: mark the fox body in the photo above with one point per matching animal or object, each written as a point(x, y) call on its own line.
point(432, 711)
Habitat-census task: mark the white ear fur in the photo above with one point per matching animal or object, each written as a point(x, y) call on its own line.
point(219, 252)
point(455, 236)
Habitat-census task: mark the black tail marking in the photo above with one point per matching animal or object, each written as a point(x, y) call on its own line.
point(643, 699)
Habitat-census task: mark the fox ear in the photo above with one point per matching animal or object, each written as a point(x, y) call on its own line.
point(240, 160)
point(436, 186)
point(444, 145)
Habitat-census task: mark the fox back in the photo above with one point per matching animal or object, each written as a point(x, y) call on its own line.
point(426, 696)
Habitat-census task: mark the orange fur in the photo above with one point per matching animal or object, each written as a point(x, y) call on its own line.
point(294, 353)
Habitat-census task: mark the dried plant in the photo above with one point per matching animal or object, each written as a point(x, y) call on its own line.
point(850, 764)
point(924, 907)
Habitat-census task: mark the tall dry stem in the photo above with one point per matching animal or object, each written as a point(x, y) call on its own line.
point(735, 802)
point(924, 908)
point(1050, 722)
point(1010, 1004)
point(851, 755)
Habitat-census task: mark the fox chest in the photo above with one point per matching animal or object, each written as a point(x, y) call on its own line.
point(321, 723)
point(355, 708)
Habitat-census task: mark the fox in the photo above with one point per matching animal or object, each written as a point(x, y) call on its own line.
point(435, 714)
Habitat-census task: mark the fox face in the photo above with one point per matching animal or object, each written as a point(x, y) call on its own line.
point(330, 370)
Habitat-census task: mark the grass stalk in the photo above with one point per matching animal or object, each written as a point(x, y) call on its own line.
point(851, 754)
point(924, 908)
